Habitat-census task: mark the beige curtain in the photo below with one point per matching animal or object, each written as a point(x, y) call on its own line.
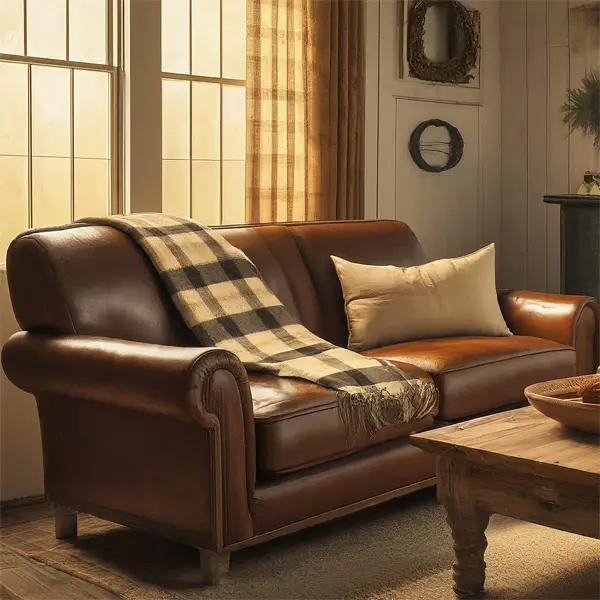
point(305, 103)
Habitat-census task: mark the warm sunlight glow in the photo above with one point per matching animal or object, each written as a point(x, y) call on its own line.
point(206, 191)
point(55, 114)
point(176, 187)
point(87, 31)
point(11, 27)
point(176, 119)
point(234, 123)
point(13, 109)
point(92, 193)
point(50, 111)
point(206, 118)
point(91, 94)
point(47, 28)
point(234, 37)
point(206, 38)
point(176, 36)
point(13, 186)
point(210, 158)
point(234, 191)
point(51, 191)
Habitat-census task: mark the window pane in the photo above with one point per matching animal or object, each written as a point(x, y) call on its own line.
point(13, 185)
point(176, 187)
point(206, 192)
point(234, 191)
point(13, 108)
point(234, 39)
point(51, 120)
point(176, 119)
point(12, 27)
point(234, 123)
point(91, 95)
point(92, 194)
point(87, 30)
point(206, 32)
point(51, 191)
point(176, 36)
point(205, 120)
point(47, 28)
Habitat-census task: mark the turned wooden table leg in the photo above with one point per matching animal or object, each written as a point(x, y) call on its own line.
point(65, 522)
point(468, 523)
point(213, 565)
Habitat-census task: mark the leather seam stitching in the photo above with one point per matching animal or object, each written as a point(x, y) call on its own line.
point(268, 420)
point(305, 262)
point(290, 287)
point(501, 360)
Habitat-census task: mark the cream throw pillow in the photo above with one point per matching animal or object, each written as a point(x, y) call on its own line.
point(448, 297)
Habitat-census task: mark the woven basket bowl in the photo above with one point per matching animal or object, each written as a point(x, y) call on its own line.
point(560, 400)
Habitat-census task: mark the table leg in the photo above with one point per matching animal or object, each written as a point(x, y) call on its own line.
point(468, 523)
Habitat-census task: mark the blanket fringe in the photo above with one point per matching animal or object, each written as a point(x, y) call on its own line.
point(372, 408)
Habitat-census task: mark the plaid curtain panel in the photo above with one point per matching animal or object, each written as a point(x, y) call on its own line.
point(276, 95)
point(225, 303)
point(305, 110)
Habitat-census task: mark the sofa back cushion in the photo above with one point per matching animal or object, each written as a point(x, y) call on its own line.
point(365, 242)
point(90, 280)
point(94, 280)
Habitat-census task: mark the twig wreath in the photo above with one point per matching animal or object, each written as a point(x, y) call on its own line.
point(463, 29)
point(456, 146)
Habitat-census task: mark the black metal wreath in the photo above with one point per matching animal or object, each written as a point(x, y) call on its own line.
point(456, 144)
point(463, 29)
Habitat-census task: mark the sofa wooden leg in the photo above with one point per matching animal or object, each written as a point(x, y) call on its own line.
point(65, 522)
point(213, 565)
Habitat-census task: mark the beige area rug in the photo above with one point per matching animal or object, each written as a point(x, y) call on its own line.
point(399, 551)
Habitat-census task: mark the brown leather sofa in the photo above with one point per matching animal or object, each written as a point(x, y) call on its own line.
point(142, 428)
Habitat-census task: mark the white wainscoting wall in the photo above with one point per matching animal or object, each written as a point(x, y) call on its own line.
point(456, 211)
point(20, 443)
point(545, 49)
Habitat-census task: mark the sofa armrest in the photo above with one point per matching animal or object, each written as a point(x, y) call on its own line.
point(161, 380)
point(200, 388)
point(566, 319)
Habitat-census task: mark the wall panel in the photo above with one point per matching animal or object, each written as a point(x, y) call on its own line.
point(545, 49)
point(457, 211)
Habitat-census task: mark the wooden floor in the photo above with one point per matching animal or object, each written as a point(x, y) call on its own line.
point(25, 579)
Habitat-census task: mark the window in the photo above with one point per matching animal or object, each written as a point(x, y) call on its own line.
point(204, 109)
point(77, 138)
point(58, 142)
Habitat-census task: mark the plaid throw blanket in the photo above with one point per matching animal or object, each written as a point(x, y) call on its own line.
point(224, 301)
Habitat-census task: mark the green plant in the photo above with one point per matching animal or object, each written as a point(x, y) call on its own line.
point(582, 108)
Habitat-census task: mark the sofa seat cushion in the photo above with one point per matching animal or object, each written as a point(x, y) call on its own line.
point(298, 424)
point(477, 374)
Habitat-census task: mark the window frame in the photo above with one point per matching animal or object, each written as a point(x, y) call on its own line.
point(191, 79)
point(113, 67)
point(135, 67)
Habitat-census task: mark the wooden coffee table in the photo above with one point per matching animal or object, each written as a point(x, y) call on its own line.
point(517, 463)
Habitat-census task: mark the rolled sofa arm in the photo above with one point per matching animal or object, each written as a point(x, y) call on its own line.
point(161, 380)
point(204, 388)
point(566, 319)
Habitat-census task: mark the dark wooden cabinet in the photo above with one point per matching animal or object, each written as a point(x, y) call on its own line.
point(580, 243)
